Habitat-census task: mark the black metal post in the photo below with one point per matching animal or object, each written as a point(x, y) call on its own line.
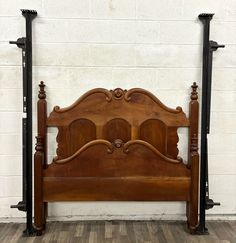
point(208, 48)
point(25, 43)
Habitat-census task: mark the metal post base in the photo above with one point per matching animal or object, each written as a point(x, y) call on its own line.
point(29, 232)
point(201, 231)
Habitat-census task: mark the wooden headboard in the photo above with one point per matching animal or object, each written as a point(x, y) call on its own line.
point(117, 114)
point(116, 145)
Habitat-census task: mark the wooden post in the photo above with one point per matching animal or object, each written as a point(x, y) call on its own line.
point(193, 164)
point(42, 118)
point(38, 186)
point(40, 162)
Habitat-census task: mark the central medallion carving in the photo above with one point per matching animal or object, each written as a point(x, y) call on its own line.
point(118, 93)
point(118, 143)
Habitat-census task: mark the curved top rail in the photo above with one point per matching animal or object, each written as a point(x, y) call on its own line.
point(128, 94)
point(118, 93)
point(83, 97)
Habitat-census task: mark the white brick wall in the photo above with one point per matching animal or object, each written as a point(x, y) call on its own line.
point(153, 44)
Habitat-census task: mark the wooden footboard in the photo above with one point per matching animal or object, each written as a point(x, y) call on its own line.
point(116, 146)
point(105, 171)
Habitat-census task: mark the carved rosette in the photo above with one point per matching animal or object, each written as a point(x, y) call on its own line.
point(42, 93)
point(118, 143)
point(194, 93)
point(118, 93)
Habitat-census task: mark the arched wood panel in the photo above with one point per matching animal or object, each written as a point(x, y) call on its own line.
point(80, 132)
point(154, 132)
point(117, 128)
point(74, 136)
point(122, 112)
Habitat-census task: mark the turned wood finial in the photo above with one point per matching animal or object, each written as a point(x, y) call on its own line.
point(39, 143)
point(42, 93)
point(194, 93)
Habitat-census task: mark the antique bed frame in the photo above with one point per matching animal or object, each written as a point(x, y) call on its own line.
point(116, 145)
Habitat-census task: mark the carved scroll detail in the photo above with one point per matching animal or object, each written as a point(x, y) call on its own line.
point(60, 148)
point(107, 94)
point(177, 148)
point(149, 146)
point(109, 145)
point(118, 144)
point(128, 94)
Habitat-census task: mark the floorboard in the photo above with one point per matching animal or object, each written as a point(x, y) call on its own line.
point(121, 232)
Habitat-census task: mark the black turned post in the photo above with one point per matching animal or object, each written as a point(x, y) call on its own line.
point(25, 43)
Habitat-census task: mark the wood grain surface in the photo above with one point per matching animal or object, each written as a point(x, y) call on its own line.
point(121, 232)
point(117, 145)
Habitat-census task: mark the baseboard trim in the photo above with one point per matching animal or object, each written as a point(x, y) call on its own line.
point(174, 217)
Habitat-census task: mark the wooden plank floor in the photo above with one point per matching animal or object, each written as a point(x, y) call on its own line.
point(121, 231)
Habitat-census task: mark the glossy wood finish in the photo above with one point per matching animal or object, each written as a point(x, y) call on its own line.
point(193, 161)
point(117, 128)
point(121, 232)
point(116, 189)
point(101, 158)
point(40, 161)
point(117, 115)
point(117, 145)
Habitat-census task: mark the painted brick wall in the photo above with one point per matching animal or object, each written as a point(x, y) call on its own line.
point(153, 44)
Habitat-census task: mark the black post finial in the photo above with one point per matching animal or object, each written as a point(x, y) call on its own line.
point(29, 12)
point(205, 16)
